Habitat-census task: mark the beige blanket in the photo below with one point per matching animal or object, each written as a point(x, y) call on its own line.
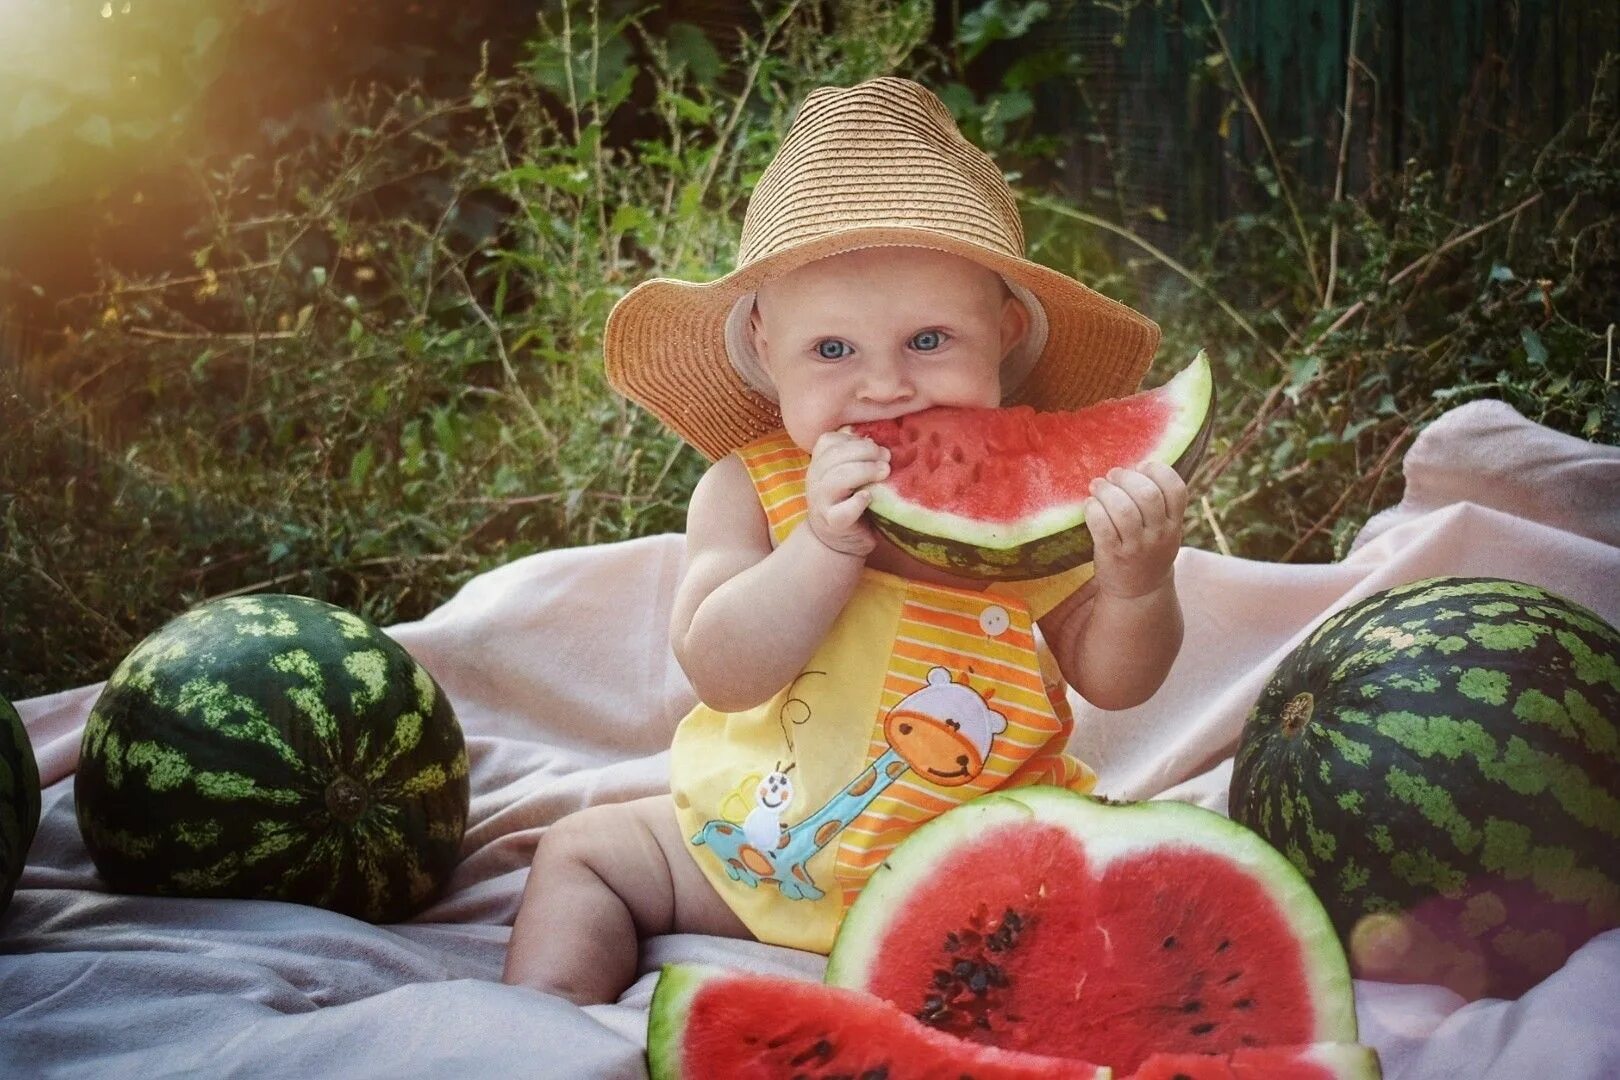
point(560, 673)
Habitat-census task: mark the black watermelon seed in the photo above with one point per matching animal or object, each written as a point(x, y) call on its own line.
point(881, 1072)
point(952, 942)
point(1243, 1003)
point(1203, 1029)
point(1230, 977)
point(1223, 946)
point(1170, 942)
point(1192, 1006)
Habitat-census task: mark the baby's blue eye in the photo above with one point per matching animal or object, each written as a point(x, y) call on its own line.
point(831, 349)
point(927, 340)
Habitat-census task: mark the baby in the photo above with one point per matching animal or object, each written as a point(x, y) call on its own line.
point(848, 692)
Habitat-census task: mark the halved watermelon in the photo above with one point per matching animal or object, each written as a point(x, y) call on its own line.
point(1048, 922)
point(710, 1024)
point(999, 493)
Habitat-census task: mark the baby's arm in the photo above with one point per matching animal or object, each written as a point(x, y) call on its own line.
point(746, 618)
point(1116, 638)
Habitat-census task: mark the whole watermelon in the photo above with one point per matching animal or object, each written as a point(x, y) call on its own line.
point(19, 800)
point(274, 747)
point(1442, 761)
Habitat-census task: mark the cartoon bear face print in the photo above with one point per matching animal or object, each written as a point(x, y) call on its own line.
point(944, 730)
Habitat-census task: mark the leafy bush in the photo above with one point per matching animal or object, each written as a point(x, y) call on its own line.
point(373, 369)
point(380, 372)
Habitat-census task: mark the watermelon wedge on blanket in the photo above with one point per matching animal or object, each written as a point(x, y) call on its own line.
point(1000, 493)
point(1319, 1061)
point(1047, 922)
point(709, 1024)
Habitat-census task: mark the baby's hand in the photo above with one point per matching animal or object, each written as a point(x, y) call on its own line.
point(1135, 521)
point(841, 465)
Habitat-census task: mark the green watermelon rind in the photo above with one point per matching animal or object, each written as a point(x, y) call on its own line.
point(1107, 830)
point(19, 799)
point(1386, 677)
point(210, 763)
point(1192, 390)
point(672, 998)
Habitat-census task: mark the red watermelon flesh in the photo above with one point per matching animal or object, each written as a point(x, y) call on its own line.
point(1319, 1061)
point(709, 1024)
point(1043, 921)
point(1001, 466)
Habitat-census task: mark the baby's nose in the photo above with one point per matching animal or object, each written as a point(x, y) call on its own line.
point(886, 379)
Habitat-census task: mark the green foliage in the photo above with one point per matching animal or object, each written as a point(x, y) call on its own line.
point(372, 367)
point(378, 371)
point(1515, 301)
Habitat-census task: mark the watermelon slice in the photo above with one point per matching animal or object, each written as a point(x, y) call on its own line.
point(709, 1024)
point(1319, 1061)
point(1048, 922)
point(999, 493)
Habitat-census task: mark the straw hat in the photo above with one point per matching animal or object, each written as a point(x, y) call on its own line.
point(878, 164)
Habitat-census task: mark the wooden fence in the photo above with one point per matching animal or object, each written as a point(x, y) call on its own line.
point(1154, 121)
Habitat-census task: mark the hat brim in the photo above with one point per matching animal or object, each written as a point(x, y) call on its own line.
point(664, 342)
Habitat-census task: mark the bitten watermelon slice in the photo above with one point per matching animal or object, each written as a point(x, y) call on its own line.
point(709, 1024)
point(1000, 493)
point(1044, 921)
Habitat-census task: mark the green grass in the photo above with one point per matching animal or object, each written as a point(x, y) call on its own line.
point(373, 370)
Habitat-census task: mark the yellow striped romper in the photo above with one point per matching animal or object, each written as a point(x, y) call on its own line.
point(920, 697)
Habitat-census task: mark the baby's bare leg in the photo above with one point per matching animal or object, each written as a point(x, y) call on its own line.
point(601, 880)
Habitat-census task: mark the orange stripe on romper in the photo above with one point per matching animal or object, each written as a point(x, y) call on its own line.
point(946, 632)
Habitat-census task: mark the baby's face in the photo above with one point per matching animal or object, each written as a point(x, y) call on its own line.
point(881, 332)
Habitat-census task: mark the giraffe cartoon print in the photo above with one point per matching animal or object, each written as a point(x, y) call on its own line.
point(942, 731)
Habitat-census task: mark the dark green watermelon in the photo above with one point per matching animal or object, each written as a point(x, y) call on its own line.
point(274, 747)
point(1442, 762)
point(19, 800)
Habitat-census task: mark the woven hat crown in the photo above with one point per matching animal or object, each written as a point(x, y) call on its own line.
point(886, 153)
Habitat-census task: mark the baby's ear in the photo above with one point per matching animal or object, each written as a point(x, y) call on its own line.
point(1014, 324)
point(756, 327)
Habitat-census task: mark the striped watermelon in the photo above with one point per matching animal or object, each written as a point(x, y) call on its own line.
point(19, 800)
point(1442, 761)
point(274, 747)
